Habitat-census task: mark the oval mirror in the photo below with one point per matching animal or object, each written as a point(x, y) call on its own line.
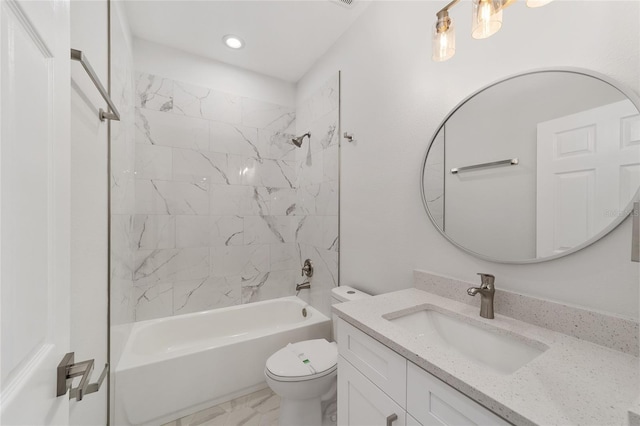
point(535, 166)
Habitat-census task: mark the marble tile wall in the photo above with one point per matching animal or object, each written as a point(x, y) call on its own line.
point(216, 199)
point(316, 233)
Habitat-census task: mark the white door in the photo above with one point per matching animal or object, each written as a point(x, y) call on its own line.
point(34, 209)
point(361, 403)
point(588, 171)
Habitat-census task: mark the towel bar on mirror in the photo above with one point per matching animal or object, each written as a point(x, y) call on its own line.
point(112, 114)
point(509, 162)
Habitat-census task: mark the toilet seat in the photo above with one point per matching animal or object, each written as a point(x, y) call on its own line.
point(302, 361)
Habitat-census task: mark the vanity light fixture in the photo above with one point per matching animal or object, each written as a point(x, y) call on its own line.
point(233, 42)
point(486, 21)
point(444, 36)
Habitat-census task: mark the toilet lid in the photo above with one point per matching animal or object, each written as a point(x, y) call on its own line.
point(306, 358)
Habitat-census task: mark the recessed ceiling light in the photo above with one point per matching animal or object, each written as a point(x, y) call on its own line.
point(233, 42)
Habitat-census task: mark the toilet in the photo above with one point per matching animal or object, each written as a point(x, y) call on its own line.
point(304, 373)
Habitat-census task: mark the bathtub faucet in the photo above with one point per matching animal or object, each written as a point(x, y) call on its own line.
point(302, 286)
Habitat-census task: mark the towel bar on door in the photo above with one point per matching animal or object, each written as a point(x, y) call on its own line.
point(113, 114)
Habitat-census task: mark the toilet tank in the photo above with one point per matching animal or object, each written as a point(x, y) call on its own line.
point(340, 294)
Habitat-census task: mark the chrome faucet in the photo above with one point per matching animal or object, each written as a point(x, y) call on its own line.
point(486, 290)
point(306, 284)
point(303, 286)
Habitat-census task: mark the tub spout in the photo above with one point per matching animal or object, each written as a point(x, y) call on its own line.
point(302, 286)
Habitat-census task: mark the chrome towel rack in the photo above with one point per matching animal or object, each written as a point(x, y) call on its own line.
point(112, 114)
point(509, 162)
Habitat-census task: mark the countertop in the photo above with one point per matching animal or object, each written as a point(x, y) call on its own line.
point(572, 382)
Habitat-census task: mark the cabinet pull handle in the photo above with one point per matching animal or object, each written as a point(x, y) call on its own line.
point(392, 418)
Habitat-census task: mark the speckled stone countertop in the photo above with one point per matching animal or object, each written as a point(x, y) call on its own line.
point(574, 382)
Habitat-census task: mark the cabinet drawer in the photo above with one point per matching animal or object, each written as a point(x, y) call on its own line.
point(434, 403)
point(361, 403)
point(385, 368)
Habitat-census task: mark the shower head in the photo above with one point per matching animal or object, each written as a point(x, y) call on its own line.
point(298, 141)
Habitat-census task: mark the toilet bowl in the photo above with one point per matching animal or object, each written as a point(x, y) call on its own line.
point(301, 373)
point(304, 374)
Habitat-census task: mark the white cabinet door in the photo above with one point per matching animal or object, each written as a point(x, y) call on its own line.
point(34, 209)
point(434, 403)
point(588, 170)
point(378, 363)
point(361, 403)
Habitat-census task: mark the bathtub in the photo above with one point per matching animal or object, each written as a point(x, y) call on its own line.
point(172, 367)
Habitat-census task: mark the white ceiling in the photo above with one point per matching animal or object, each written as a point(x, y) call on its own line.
point(283, 38)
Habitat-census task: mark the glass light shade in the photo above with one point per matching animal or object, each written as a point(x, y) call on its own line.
point(444, 43)
point(486, 20)
point(537, 3)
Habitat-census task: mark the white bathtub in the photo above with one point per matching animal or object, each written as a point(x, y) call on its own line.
point(171, 367)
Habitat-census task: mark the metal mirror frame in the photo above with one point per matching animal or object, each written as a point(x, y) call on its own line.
point(622, 88)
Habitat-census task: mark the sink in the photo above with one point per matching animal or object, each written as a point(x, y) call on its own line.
point(501, 352)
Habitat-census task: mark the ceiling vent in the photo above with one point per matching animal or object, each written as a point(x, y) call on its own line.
point(348, 4)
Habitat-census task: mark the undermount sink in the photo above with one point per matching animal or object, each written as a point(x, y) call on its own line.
point(500, 352)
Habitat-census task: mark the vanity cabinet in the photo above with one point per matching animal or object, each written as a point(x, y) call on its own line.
point(377, 386)
point(362, 403)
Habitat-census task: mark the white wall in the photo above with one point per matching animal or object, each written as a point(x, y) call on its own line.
point(394, 96)
point(89, 180)
point(178, 65)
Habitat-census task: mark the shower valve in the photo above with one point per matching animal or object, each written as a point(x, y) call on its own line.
point(307, 269)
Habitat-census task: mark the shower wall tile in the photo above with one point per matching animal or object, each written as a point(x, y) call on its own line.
point(195, 101)
point(279, 144)
point(269, 285)
point(209, 293)
point(331, 164)
point(318, 191)
point(152, 232)
point(324, 132)
point(246, 261)
point(216, 199)
point(227, 200)
point(327, 199)
point(200, 166)
point(264, 115)
point(227, 231)
point(330, 233)
point(309, 230)
point(283, 201)
point(168, 129)
point(153, 92)
point(170, 265)
point(235, 139)
point(193, 231)
point(152, 301)
point(268, 230)
point(153, 162)
point(168, 197)
point(283, 257)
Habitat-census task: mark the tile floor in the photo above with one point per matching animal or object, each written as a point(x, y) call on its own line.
point(259, 408)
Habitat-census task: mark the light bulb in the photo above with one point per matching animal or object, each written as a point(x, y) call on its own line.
point(444, 39)
point(233, 42)
point(487, 19)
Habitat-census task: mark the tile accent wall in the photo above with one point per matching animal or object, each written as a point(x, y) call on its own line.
point(318, 190)
point(215, 199)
